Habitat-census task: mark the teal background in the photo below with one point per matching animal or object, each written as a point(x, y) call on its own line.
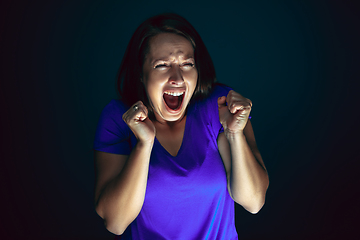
point(298, 61)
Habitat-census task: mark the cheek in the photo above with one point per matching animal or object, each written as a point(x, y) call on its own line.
point(153, 90)
point(192, 78)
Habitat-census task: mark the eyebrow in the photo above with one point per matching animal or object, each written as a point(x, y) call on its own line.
point(190, 56)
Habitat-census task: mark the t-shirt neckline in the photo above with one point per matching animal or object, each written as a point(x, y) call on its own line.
point(186, 130)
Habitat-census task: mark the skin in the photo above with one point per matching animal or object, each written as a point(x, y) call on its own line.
point(246, 173)
point(169, 66)
point(121, 180)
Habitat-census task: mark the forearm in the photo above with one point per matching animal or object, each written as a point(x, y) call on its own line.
point(122, 198)
point(248, 177)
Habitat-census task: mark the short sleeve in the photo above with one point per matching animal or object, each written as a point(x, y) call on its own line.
point(112, 133)
point(219, 91)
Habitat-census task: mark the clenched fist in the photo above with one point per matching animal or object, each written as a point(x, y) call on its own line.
point(234, 111)
point(139, 123)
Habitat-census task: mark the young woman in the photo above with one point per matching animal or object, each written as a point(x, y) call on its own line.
point(175, 152)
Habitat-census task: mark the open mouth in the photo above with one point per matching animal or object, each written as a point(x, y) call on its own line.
point(173, 100)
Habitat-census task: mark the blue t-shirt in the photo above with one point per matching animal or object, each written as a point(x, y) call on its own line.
point(186, 195)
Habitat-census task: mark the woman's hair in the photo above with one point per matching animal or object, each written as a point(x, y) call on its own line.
point(129, 84)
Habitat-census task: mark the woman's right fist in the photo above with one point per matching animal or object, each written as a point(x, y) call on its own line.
point(137, 119)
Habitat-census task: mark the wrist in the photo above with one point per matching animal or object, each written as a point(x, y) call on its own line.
point(234, 136)
point(146, 143)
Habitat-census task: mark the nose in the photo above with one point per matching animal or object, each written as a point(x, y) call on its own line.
point(176, 77)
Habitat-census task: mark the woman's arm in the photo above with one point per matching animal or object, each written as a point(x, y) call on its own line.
point(120, 179)
point(120, 186)
point(246, 173)
point(247, 176)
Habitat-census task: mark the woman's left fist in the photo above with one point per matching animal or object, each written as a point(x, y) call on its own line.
point(234, 111)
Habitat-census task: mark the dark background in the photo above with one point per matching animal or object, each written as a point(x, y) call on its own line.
point(298, 61)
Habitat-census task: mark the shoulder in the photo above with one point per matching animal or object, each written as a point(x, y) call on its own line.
point(208, 107)
point(111, 116)
point(113, 110)
point(115, 106)
point(112, 133)
point(220, 89)
point(217, 91)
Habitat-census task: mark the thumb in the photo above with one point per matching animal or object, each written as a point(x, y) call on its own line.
point(222, 101)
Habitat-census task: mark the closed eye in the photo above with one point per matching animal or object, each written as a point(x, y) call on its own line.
point(188, 64)
point(161, 66)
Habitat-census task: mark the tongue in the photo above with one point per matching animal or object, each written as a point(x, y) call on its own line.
point(171, 101)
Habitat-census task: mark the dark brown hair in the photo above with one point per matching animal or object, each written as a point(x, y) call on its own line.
point(129, 85)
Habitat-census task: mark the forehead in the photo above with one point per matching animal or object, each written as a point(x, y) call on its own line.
point(167, 45)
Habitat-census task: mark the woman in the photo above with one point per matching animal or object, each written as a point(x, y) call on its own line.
point(175, 152)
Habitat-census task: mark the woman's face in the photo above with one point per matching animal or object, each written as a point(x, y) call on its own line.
point(169, 75)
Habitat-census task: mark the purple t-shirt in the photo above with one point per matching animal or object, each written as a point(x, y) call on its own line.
point(186, 195)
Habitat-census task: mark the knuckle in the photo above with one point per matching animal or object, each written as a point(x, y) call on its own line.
point(126, 120)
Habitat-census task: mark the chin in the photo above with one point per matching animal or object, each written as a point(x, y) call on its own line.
point(171, 117)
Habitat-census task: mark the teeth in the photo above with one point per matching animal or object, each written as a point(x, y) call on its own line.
point(174, 94)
